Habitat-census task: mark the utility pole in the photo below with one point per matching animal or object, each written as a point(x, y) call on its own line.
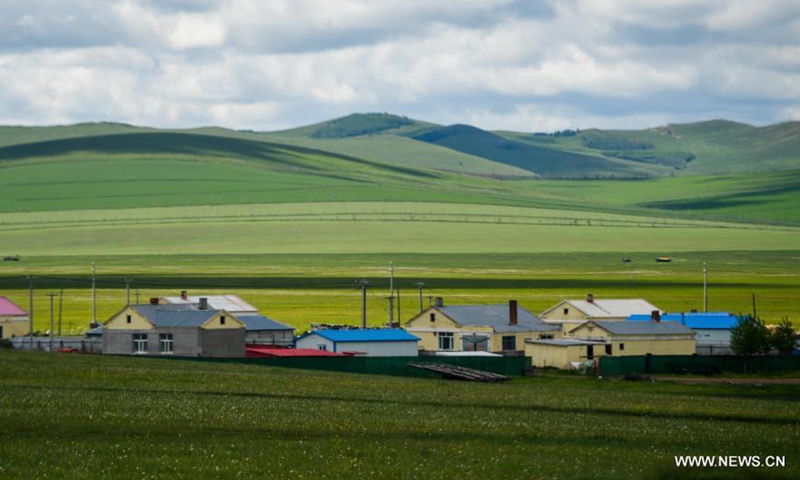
point(128, 291)
point(94, 295)
point(399, 316)
point(52, 327)
point(754, 305)
point(30, 307)
point(137, 296)
point(419, 285)
point(391, 294)
point(60, 309)
point(705, 288)
point(363, 283)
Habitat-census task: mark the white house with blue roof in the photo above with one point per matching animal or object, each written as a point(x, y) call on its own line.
point(371, 342)
point(713, 329)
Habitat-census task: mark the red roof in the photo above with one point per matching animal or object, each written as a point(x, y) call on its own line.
point(7, 307)
point(267, 352)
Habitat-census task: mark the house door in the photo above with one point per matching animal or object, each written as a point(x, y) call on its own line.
point(590, 352)
point(1, 332)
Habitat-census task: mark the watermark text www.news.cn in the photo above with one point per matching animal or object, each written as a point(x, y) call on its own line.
point(730, 461)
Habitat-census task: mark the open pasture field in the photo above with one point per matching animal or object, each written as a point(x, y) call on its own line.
point(300, 289)
point(69, 416)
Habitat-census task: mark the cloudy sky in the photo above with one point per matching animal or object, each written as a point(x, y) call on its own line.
point(496, 64)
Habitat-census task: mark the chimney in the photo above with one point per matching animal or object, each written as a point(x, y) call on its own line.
point(203, 303)
point(655, 316)
point(512, 312)
point(154, 301)
point(184, 295)
point(590, 297)
point(439, 302)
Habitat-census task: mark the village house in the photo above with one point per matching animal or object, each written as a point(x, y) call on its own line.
point(574, 313)
point(487, 328)
point(186, 330)
point(599, 338)
point(13, 319)
point(260, 329)
point(713, 329)
point(363, 342)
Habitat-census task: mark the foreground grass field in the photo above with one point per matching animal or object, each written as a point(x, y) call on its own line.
point(95, 417)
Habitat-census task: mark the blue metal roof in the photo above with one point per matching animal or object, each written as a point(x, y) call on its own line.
point(255, 323)
point(368, 335)
point(696, 321)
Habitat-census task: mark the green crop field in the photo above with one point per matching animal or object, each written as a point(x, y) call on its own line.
point(99, 417)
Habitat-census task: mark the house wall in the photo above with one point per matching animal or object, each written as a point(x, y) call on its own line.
point(222, 343)
point(557, 313)
point(185, 341)
point(215, 322)
point(313, 342)
point(675, 344)
point(282, 338)
point(120, 321)
point(497, 339)
point(721, 338)
point(380, 349)
point(14, 326)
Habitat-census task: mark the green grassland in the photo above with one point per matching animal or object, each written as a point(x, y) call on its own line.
point(290, 221)
point(299, 289)
point(98, 417)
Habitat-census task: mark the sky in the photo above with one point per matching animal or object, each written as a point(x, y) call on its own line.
point(496, 64)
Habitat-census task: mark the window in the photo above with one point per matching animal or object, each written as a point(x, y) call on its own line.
point(546, 336)
point(128, 319)
point(322, 347)
point(222, 320)
point(446, 341)
point(433, 317)
point(608, 349)
point(590, 352)
point(139, 343)
point(166, 341)
point(566, 311)
point(621, 347)
point(509, 343)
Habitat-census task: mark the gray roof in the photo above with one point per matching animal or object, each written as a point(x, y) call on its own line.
point(175, 315)
point(644, 328)
point(496, 316)
point(260, 323)
point(565, 342)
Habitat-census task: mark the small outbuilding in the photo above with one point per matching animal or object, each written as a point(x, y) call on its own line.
point(638, 338)
point(371, 342)
point(13, 319)
point(564, 352)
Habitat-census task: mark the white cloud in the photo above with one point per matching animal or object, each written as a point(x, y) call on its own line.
point(254, 64)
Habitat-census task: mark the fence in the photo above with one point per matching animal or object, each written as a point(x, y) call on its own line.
point(511, 366)
point(679, 364)
point(80, 344)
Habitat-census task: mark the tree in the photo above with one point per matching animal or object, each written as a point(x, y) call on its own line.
point(750, 337)
point(783, 337)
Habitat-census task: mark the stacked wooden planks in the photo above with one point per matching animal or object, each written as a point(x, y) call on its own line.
point(454, 372)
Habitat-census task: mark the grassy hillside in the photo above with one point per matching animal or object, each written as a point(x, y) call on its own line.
point(543, 161)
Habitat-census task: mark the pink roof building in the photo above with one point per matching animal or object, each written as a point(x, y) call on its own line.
point(11, 309)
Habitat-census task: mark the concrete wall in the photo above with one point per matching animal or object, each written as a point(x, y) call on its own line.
point(226, 343)
point(189, 341)
point(720, 338)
